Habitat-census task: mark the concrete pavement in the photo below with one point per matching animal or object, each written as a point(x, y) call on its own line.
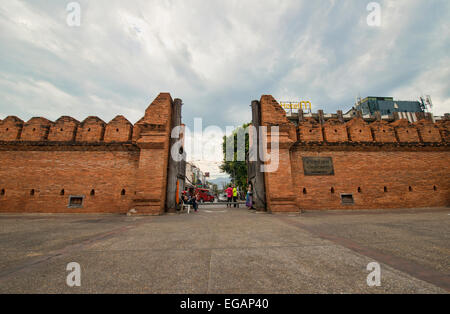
point(220, 250)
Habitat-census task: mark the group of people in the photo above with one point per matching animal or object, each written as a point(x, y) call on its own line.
point(191, 199)
point(232, 196)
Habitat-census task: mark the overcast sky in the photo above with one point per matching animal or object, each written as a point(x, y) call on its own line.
point(217, 56)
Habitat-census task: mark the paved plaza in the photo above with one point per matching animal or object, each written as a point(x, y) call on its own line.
point(220, 250)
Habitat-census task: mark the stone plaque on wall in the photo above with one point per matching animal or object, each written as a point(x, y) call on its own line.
point(318, 166)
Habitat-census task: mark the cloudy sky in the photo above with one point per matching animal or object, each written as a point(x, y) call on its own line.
point(217, 55)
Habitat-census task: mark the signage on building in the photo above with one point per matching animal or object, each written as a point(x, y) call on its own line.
point(318, 166)
point(303, 105)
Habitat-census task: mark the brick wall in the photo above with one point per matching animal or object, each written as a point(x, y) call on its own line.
point(44, 163)
point(10, 129)
point(279, 197)
point(365, 174)
point(310, 131)
point(335, 131)
point(36, 129)
point(64, 130)
point(118, 130)
point(58, 172)
point(383, 132)
point(359, 131)
point(91, 130)
point(380, 164)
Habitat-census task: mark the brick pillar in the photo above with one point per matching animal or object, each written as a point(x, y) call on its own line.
point(378, 116)
point(340, 116)
point(174, 165)
point(429, 117)
point(301, 116)
point(321, 117)
point(396, 116)
point(152, 135)
point(280, 195)
point(256, 177)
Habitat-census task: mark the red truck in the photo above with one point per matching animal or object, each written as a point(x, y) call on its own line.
point(205, 195)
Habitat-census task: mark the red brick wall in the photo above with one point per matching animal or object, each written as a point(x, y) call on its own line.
point(91, 130)
point(383, 132)
point(36, 129)
point(77, 172)
point(63, 130)
point(429, 132)
point(444, 128)
point(152, 136)
point(371, 171)
point(50, 157)
point(335, 132)
point(412, 161)
point(406, 133)
point(359, 131)
point(118, 130)
point(279, 197)
point(10, 129)
point(310, 131)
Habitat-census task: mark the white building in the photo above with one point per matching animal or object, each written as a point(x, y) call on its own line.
point(194, 176)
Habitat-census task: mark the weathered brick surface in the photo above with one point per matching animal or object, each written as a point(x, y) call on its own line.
point(43, 163)
point(118, 130)
point(406, 133)
point(58, 172)
point(279, 197)
point(444, 128)
point(335, 131)
point(310, 131)
point(383, 165)
point(36, 129)
point(152, 136)
point(91, 130)
point(383, 132)
point(10, 129)
point(365, 174)
point(63, 130)
point(359, 130)
point(429, 132)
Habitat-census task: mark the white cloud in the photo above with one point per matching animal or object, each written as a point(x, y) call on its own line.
point(217, 55)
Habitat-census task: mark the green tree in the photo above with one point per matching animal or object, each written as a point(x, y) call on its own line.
point(236, 169)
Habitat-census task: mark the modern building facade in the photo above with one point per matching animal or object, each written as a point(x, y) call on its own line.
point(387, 106)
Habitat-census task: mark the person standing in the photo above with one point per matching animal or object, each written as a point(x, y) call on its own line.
point(196, 200)
point(229, 192)
point(235, 194)
point(249, 199)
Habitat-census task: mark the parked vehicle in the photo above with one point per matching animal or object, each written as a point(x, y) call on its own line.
point(205, 196)
point(223, 198)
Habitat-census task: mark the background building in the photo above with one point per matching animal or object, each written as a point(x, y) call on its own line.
point(387, 106)
point(194, 176)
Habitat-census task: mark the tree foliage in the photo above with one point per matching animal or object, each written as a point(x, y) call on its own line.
point(236, 169)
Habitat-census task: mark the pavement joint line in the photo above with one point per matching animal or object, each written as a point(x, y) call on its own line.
point(209, 271)
point(409, 211)
point(401, 264)
point(215, 248)
point(35, 261)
